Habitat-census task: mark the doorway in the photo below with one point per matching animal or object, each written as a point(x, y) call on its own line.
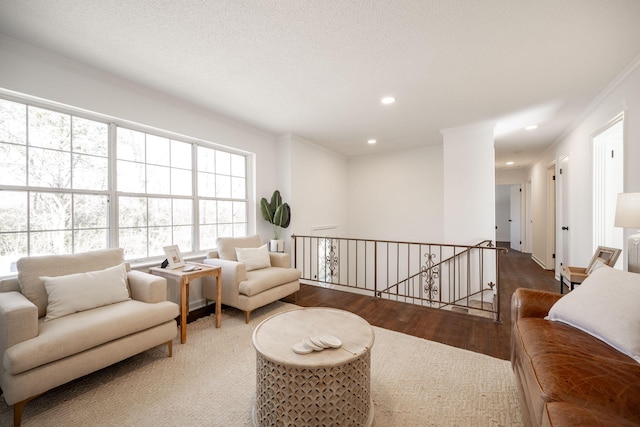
point(514, 220)
point(509, 216)
point(503, 214)
point(608, 181)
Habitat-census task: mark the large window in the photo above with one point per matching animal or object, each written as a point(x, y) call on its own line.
point(222, 189)
point(71, 184)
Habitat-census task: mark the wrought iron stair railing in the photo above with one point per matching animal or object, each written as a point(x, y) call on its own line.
point(452, 277)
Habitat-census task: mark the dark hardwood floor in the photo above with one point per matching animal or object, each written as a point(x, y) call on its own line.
point(456, 329)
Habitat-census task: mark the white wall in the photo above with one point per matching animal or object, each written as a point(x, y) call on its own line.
point(469, 184)
point(622, 95)
point(512, 176)
point(397, 196)
point(318, 189)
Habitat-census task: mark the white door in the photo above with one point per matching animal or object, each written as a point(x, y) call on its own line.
point(563, 204)
point(503, 213)
point(526, 247)
point(514, 219)
point(552, 220)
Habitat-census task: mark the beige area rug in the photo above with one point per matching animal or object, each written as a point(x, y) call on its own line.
point(210, 381)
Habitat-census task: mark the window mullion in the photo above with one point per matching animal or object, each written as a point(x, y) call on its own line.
point(113, 185)
point(195, 197)
point(26, 178)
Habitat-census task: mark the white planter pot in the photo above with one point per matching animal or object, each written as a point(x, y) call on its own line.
point(276, 245)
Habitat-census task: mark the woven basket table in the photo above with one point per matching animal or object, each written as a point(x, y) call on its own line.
point(330, 387)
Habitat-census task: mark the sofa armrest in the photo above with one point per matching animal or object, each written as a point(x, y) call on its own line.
point(280, 259)
point(9, 284)
point(233, 272)
point(147, 287)
point(18, 319)
point(531, 303)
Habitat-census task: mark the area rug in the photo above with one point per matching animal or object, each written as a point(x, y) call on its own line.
point(210, 381)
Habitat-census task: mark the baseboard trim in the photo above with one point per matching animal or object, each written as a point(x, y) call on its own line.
point(537, 261)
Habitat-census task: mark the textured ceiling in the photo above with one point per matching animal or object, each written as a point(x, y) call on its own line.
point(318, 68)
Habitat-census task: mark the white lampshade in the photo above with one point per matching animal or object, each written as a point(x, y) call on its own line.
point(628, 210)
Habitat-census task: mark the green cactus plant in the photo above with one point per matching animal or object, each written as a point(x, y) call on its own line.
point(276, 213)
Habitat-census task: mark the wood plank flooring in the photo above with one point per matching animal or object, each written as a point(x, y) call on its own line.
point(456, 329)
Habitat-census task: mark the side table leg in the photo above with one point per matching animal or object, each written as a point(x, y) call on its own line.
point(218, 301)
point(184, 300)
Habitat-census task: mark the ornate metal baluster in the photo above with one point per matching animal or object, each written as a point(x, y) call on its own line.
point(331, 260)
point(430, 276)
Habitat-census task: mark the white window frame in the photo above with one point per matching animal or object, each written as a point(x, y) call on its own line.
point(113, 194)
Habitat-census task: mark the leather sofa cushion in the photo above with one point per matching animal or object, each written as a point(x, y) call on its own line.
point(266, 278)
point(72, 334)
point(570, 415)
point(543, 336)
point(568, 365)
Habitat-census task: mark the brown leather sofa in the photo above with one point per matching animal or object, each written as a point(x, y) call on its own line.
point(567, 377)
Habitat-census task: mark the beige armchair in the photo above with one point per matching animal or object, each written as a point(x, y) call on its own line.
point(49, 336)
point(256, 279)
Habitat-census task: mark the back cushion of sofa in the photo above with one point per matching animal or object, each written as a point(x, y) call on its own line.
point(227, 245)
point(31, 268)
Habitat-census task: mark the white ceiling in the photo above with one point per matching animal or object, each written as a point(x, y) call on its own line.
point(318, 68)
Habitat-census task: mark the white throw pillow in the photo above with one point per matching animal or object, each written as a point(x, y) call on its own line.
point(606, 306)
point(254, 258)
point(227, 245)
point(83, 291)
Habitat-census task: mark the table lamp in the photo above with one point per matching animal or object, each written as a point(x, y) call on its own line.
point(628, 216)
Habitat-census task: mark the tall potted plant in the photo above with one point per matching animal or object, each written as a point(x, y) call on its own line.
point(278, 214)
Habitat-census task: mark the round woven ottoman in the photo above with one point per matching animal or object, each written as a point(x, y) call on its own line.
point(328, 387)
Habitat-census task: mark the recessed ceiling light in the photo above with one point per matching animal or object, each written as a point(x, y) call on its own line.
point(371, 141)
point(531, 127)
point(388, 100)
point(509, 163)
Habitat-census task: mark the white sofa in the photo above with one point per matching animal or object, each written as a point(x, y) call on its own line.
point(41, 351)
point(253, 281)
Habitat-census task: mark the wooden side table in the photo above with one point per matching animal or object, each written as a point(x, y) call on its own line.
point(574, 275)
point(184, 278)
